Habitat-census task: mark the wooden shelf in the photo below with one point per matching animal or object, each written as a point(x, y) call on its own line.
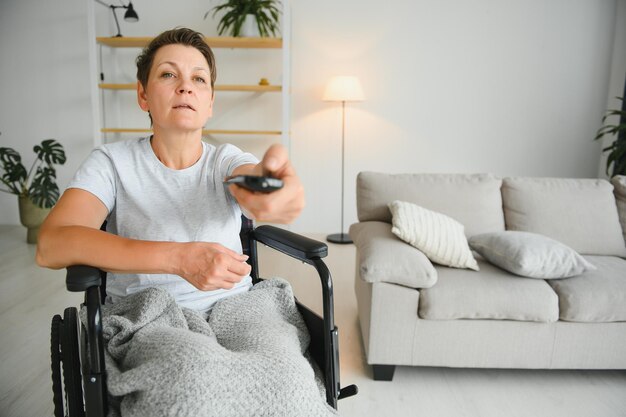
point(214, 42)
point(224, 87)
point(254, 88)
point(204, 132)
point(112, 86)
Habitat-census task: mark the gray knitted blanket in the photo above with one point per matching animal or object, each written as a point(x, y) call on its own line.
point(247, 360)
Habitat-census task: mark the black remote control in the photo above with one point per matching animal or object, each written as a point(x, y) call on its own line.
point(256, 183)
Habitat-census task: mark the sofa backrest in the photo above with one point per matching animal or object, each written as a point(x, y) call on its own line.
point(473, 200)
point(581, 213)
point(619, 182)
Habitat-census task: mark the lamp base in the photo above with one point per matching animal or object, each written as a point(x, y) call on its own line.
point(341, 238)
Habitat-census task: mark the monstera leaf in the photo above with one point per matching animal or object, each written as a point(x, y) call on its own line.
point(50, 151)
point(9, 155)
point(44, 191)
point(14, 173)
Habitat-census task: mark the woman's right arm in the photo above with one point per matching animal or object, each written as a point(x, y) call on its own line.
point(71, 235)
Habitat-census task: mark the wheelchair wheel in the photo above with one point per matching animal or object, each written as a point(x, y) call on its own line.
point(72, 379)
point(55, 356)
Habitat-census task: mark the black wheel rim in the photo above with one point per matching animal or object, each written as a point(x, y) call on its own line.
point(71, 363)
point(55, 358)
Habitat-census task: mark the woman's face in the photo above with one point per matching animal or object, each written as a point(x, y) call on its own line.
point(178, 94)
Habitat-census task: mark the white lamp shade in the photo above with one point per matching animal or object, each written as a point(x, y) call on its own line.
point(343, 88)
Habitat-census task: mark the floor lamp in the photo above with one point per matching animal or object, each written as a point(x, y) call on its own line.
point(342, 89)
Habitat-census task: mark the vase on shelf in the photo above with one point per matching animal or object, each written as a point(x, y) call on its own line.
point(250, 27)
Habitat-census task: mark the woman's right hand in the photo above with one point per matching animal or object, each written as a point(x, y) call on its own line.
point(211, 266)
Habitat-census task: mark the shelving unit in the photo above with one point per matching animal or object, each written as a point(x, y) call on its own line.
point(214, 42)
point(229, 87)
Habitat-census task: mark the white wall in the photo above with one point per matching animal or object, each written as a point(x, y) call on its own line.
point(618, 73)
point(45, 84)
point(512, 87)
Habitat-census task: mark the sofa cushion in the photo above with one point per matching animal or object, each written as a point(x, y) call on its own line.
point(382, 257)
point(619, 182)
point(438, 236)
point(580, 213)
point(473, 200)
point(491, 293)
point(595, 296)
point(529, 254)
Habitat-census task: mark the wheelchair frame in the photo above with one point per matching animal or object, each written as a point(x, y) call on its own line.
point(77, 353)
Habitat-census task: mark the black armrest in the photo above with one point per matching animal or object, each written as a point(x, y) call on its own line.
point(294, 245)
point(81, 277)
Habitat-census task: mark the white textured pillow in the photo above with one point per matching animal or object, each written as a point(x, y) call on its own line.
point(440, 237)
point(529, 254)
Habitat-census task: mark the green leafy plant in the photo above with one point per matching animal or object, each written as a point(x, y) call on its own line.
point(617, 150)
point(235, 11)
point(39, 182)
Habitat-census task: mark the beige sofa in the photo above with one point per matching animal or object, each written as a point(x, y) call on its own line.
point(414, 312)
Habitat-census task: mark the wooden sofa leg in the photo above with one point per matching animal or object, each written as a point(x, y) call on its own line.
point(383, 372)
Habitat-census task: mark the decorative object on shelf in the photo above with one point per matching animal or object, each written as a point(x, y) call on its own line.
point(264, 81)
point(129, 16)
point(36, 188)
point(617, 150)
point(250, 27)
point(342, 89)
point(240, 14)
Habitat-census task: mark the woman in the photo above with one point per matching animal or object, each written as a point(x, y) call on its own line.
point(170, 220)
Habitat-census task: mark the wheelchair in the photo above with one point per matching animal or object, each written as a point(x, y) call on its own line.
point(77, 352)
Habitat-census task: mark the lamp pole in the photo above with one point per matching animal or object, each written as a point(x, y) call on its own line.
point(342, 237)
point(119, 32)
point(342, 88)
point(129, 16)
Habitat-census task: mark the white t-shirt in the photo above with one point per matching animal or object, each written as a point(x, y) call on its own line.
point(149, 201)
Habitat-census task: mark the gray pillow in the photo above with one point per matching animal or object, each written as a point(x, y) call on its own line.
point(529, 254)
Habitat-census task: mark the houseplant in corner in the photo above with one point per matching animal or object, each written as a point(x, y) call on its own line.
point(36, 188)
point(238, 14)
point(617, 149)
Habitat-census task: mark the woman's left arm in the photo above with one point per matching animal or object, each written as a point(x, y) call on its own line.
point(281, 206)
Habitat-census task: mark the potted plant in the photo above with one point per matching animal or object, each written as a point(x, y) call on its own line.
point(36, 188)
point(617, 149)
point(240, 13)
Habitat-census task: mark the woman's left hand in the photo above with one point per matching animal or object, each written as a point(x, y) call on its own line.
point(281, 206)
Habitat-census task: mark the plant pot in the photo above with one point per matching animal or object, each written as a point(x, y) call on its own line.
point(31, 216)
point(250, 27)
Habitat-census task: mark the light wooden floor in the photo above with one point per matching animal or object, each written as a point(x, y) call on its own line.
point(29, 296)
